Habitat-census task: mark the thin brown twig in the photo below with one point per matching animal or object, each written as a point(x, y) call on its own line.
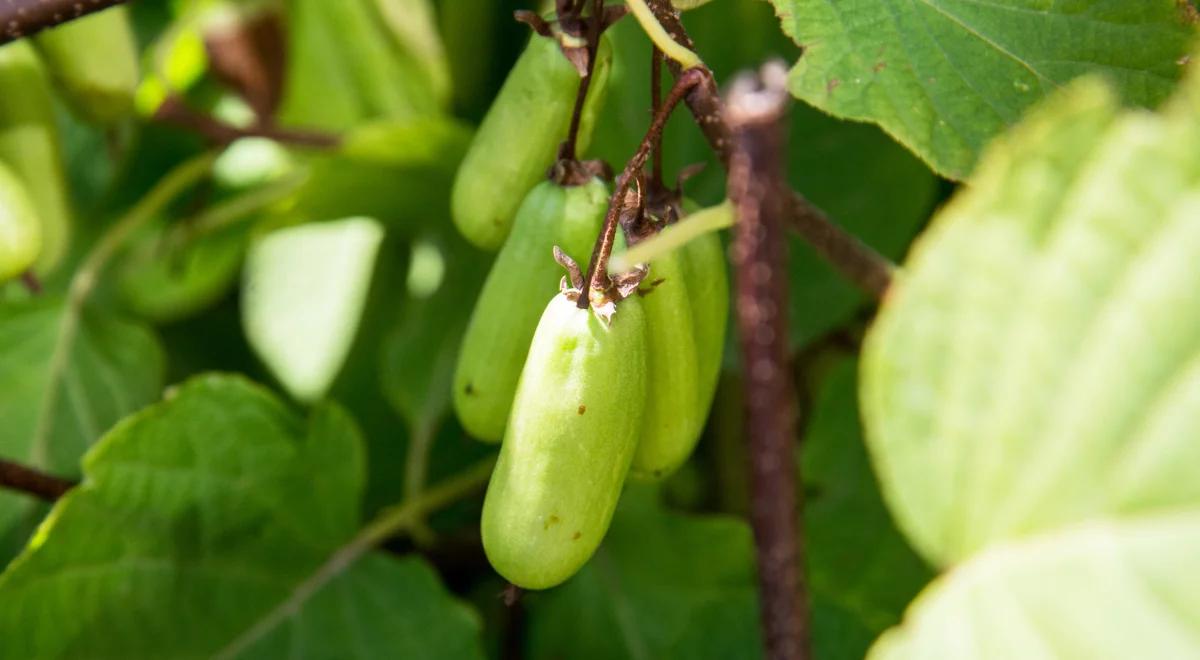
point(855, 260)
point(597, 272)
point(14, 476)
point(23, 18)
point(174, 111)
point(656, 167)
point(756, 111)
point(595, 27)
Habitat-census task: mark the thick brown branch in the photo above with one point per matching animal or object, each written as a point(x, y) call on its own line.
point(756, 113)
point(14, 476)
point(22, 18)
point(855, 260)
point(174, 111)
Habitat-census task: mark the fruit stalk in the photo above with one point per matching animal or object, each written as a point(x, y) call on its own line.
point(594, 28)
point(596, 277)
point(22, 18)
point(755, 112)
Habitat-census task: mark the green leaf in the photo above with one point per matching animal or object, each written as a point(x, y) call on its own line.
point(865, 181)
point(1102, 591)
point(303, 297)
point(1036, 364)
point(397, 172)
point(68, 375)
point(663, 585)
point(861, 571)
point(945, 76)
point(214, 523)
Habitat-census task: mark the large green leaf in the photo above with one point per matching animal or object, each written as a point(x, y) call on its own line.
point(865, 181)
point(663, 585)
point(211, 524)
point(303, 297)
point(861, 572)
point(1104, 591)
point(67, 375)
point(945, 76)
point(1038, 363)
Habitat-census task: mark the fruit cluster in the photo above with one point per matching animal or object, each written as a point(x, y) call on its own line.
point(579, 399)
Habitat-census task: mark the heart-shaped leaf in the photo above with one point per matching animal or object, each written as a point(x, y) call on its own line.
point(214, 525)
point(945, 76)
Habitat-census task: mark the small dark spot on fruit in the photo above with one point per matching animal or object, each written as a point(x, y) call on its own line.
point(832, 85)
point(880, 66)
point(469, 389)
point(576, 535)
point(582, 409)
point(551, 521)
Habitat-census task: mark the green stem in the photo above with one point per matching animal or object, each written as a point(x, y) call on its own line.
point(235, 210)
point(701, 222)
point(659, 35)
point(416, 472)
point(398, 518)
point(148, 207)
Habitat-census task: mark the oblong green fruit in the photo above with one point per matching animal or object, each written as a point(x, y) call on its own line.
point(30, 145)
point(686, 316)
point(20, 232)
point(511, 301)
point(94, 60)
point(673, 418)
point(707, 272)
point(573, 431)
point(518, 140)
